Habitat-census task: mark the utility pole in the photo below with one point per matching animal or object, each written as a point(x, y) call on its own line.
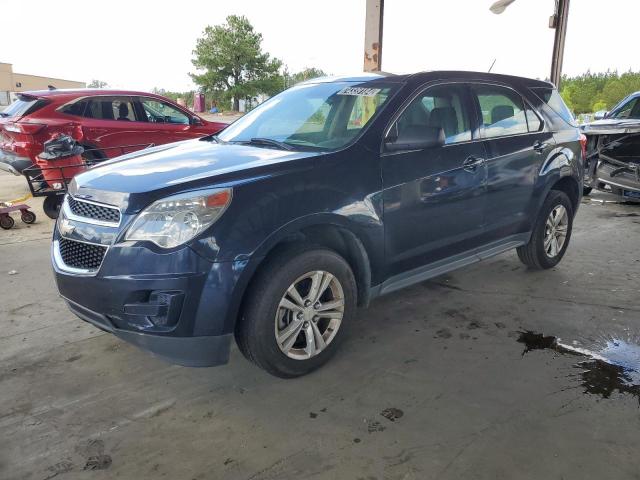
point(559, 22)
point(373, 36)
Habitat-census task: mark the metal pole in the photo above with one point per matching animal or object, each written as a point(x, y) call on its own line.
point(373, 36)
point(559, 22)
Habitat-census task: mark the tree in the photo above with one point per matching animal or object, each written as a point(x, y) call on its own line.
point(97, 84)
point(231, 59)
point(591, 92)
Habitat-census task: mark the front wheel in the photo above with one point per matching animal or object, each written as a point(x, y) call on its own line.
point(551, 233)
point(297, 311)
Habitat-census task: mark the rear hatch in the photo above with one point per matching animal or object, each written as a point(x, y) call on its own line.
point(15, 129)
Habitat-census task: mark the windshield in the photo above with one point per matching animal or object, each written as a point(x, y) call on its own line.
point(320, 116)
point(631, 109)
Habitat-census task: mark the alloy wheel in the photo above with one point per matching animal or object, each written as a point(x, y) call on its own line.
point(555, 231)
point(309, 315)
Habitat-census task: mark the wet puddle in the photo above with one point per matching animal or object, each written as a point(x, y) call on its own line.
point(611, 366)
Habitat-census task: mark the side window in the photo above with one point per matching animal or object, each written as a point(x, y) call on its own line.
point(534, 122)
point(123, 110)
point(111, 108)
point(440, 106)
point(161, 112)
point(76, 108)
point(502, 111)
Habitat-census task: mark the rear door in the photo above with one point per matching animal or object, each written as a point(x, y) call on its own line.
point(434, 198)
point(517, 143)
point(113, 125)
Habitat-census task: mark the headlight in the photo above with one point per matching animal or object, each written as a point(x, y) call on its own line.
point(175, 220)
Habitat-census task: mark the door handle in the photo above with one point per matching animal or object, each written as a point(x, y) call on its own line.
point(539, 146)
point(472, 163)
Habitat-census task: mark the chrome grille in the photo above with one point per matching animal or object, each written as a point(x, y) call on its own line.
point(81, 255)
point(94, 211)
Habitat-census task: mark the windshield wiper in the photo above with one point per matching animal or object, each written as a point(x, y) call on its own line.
point(271, 142)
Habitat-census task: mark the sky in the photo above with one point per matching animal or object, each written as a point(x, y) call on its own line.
point(142, 44)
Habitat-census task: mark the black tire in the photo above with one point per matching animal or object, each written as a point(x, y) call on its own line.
point(28, 217)
point(51, 205)
point(533, 254)
point(6, 222)
point(255, 331)
point(586, 190)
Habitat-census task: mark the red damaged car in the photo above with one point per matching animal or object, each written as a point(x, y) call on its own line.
point(107, 123)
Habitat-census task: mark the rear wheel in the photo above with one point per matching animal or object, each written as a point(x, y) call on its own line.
point(297, 311)
point(586, 190)
point(551, 233)
point(51, 205)
point(6, 222)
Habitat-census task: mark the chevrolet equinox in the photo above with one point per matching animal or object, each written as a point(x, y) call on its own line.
point(324, 197)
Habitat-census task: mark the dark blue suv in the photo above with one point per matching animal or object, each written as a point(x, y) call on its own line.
point(324, 197)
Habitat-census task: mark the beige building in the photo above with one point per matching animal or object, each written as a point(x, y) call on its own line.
point(12, 83)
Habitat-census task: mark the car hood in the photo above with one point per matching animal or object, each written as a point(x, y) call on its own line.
point(611, 126)
point(179, 166)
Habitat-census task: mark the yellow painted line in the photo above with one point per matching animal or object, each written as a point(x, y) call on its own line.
point(21, 199)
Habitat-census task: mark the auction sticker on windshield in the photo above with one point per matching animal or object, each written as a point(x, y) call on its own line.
point(360, 91)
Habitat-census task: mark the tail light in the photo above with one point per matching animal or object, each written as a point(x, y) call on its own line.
point(583, 146)
point(24, 127)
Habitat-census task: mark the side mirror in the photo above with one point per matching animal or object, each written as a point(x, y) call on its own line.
point(415, 138)
point(601, 114)
point(196, 121)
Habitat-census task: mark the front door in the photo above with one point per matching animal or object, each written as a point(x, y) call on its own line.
point(434, 198)
point(517, 143)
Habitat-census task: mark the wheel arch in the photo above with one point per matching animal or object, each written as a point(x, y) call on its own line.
point(324, 230)
point(570, 186)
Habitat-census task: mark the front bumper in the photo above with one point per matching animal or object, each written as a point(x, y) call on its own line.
point(176, 305)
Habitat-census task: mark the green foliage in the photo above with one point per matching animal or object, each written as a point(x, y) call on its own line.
point(591, 92)
point(97, 84)
point(186, 96)
point(232, 63)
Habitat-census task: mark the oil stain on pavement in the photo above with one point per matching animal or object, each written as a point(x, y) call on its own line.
point(611, 366)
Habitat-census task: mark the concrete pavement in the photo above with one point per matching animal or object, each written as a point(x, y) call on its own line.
point(431, 385)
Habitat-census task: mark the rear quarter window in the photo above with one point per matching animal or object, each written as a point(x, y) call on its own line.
point(552, 98)
point(77, 109)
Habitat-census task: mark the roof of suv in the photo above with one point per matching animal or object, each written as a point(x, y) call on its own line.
point(81, 92)
point(432, 75)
